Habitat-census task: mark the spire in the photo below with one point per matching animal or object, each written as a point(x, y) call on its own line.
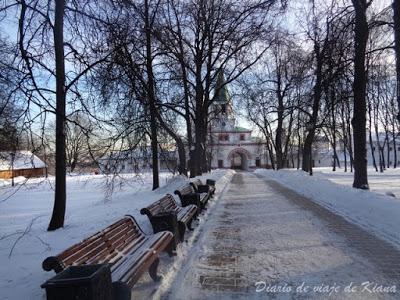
point(221, 88)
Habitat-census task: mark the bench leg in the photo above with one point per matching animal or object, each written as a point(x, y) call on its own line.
point(52, 263)
point(121, 291)
point(172, 253)
point(182, 229)
point(153, 270)
point(171, 248)
point(189, 225)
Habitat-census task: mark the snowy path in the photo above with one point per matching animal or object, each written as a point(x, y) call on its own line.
point(260, 231)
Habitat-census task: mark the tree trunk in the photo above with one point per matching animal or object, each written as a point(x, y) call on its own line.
point(298, 155)
point(396, 19)
point(378, 143)
point(279, 128)
point(371, 144)
point(394, 143)
point(312, 123)
point(307, 152)
point(57, 218)
point(387, 149)
point(199, 121)
point(349, 135)
point(372, 150)
point(359, 91)
point(335, 156)
point(151, 98)
point(187, 106)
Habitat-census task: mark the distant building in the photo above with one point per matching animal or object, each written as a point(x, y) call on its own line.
point(384, 149)
point(21, 163)
point(232, 146)
point(136, 160)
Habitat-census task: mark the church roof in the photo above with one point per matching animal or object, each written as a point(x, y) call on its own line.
point(234, 129)
point(242, 129)
point(221, 89)
point(21, 160)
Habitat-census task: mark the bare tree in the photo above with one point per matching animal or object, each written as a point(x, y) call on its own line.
point(41, 45)
point(396, 19)
point(57, 218)
point(359, 89)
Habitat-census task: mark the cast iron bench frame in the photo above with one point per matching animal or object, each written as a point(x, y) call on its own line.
point(199, 187)
point(123, 245)
point(188, 196)
point(166, 214)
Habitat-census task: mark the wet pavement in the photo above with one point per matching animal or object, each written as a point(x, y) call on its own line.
point(264, 241)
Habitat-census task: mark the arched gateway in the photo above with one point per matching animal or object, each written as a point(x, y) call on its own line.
point(239, 158)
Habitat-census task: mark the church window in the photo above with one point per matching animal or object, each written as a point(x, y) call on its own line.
point(223, 108)
point(224, 137)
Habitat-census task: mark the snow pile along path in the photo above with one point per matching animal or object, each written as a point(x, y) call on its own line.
point(26, 209)
point(387, 182)
point(187, 249)
point(372, 211)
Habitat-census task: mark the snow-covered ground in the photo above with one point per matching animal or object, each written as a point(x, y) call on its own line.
point(25, 211)
point(382, 183)
point(372, 210)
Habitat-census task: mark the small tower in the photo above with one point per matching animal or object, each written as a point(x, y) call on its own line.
point(222, 109)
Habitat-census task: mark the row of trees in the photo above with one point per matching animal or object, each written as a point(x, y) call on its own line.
point(118, 74)
point(328, 81)
point(136, 70)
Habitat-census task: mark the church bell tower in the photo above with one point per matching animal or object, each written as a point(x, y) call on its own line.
point(222, 109)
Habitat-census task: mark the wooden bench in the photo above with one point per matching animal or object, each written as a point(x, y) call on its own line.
point(199, 187)
point(166, 214)
point(188, 196)
point(123, 245)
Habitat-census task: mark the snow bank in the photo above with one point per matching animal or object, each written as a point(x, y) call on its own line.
point(382, 183)
point(185, 249)
point(377, 213)
point(26, 209)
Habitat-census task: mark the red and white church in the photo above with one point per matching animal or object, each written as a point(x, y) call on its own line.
point(232, 146)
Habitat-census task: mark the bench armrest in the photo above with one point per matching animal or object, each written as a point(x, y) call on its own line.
point(188, 199)
point(203, 188)
point(210, 182)
point(166, 221)
point(52, 263)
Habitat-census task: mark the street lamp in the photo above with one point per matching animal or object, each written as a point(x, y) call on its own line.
point(12, 154)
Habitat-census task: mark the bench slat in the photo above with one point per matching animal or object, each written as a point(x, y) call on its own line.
point(79, 246)
point(122, 244)
point(98, 246)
